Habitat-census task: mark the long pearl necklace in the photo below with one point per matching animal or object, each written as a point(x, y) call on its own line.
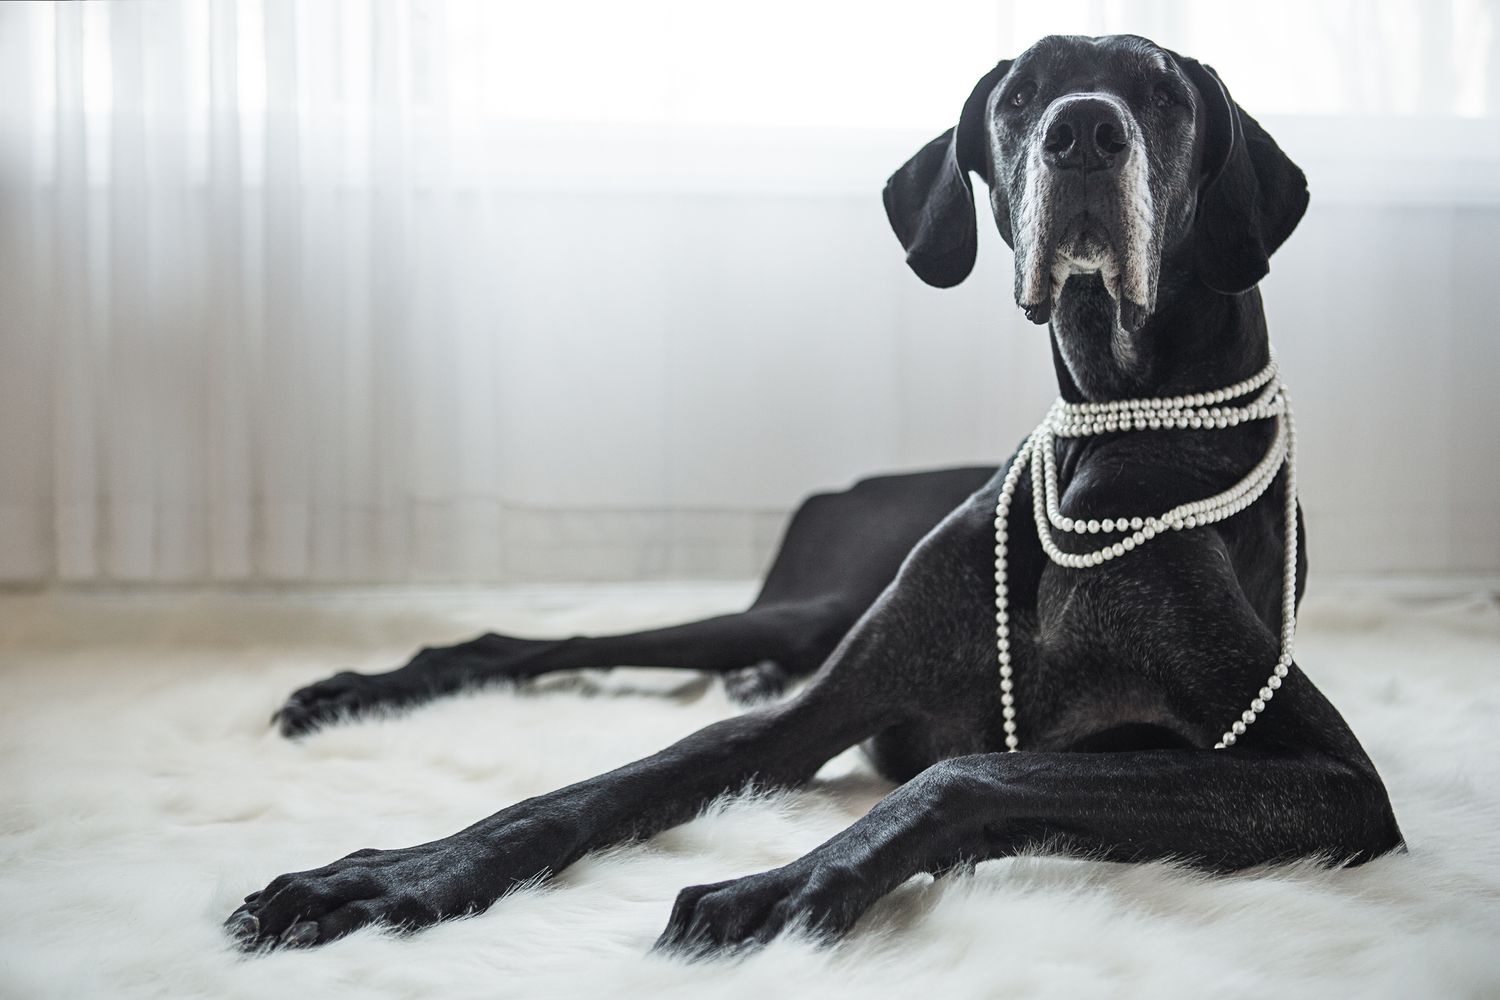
point(1196, 411)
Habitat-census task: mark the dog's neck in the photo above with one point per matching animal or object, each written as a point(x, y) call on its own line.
point(1197, 340)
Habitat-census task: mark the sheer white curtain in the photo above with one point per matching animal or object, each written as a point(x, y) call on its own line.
point(392, 291)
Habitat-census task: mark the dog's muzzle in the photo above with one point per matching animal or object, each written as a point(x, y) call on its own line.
point(1087, 208)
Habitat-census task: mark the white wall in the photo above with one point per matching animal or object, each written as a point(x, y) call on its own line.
point(400, 345)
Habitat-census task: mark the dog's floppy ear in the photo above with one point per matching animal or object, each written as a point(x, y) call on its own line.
point(1251, 196)
point(929, 201)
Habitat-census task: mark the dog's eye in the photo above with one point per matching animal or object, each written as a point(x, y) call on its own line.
point(1163, 96)
point(1022, 95)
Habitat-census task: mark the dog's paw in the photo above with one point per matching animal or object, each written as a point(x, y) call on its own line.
point(341, 696)
point(759, 682)
point(434, 671)
point(405, 889)
point(821, 899)
point(411, 887)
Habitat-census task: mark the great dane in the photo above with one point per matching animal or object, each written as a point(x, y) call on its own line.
point(1142, 204)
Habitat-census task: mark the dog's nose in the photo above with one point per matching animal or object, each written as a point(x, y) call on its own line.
point(1085, 134)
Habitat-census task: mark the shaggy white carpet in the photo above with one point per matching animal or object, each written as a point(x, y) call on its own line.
point(144, 794)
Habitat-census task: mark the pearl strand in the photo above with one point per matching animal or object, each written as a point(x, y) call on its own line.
point(1194, 411)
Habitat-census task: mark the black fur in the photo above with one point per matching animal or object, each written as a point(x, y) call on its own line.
point(1125, 674)
point(1252, 197)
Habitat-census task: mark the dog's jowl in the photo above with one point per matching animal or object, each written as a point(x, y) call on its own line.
point(1143, 206)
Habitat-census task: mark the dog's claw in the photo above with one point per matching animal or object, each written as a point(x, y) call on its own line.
point(299, 716)
point(1132, 315)
point(243, 925)
point(1039, 312)
point(676, 944)
point(302, 714)
point(300, 935)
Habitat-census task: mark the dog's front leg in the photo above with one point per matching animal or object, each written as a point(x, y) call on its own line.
point(417, 886)
point(1220, 810)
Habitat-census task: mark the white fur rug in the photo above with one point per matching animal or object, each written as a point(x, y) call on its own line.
point(143, 795)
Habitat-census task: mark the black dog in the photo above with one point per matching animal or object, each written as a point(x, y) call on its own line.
point(1142, 204)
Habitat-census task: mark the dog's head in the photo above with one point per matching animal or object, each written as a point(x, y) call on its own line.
point(1103, 156)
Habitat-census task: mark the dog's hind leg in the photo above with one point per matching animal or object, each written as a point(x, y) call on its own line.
point(764, 646)
point(838, 553)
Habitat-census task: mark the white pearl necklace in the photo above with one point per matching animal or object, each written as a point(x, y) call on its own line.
point(1196, 411)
